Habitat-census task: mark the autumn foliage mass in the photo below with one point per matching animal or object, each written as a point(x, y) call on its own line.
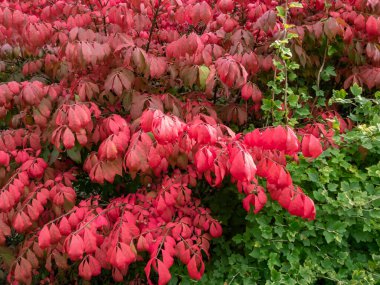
point(148, 98)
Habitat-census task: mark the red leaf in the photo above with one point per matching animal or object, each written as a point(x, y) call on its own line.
point(164, 275)
point(21, 222)
point(166, 129)
point(121, 256)
point(372, 27)
point(55, 235)
point(231, 73)
point(311, 146)
point(195, 267)
point(94, 265)
point(348, 35)
point(242, 166)
point(167, 258)
point(296, 205)
point(44, 238)
point(183, 253)
point(64, 226)
point(108, 150)
point(285, 197)
point(4, 158)
point(204, 159)
point(68, 139)
point(89, 267)
point(292, 143)
point(89, 240)
point(309, 208)
point(75, 247)
point(360, 22)
point(142, 244)
point(215, 229)
point(258, 199)
point(226, 6)
point(85, 270)
point(247, 91)
point(23, 271)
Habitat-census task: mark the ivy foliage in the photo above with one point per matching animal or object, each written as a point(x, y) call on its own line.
point(342, 246)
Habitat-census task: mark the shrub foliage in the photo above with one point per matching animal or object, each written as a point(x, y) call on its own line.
point(121, 121)
point(340, 247)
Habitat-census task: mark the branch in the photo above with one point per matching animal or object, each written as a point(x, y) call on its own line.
point(322, 66)
point(154, 23)
point(319, 76)
point(286, 67)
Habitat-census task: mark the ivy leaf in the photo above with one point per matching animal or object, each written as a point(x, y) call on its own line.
point(341, 94)
point(328, 236)
point(293, 100)
point(295, 5)
point(280, 11)
point(328, 72)
point(303, 111)
point(356, 90)
point(267, 105)
point(331, 50)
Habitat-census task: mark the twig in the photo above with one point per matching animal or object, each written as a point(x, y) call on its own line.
point(328, 278)
point(285, 66)
point(319, 76)
point(229, 283)
point(273, 96)
point(98, 215)
point(104, 18)
point(154, 22)
point(322, 66)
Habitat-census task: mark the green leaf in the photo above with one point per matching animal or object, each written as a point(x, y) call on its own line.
point(303, 111)
point(7, 255)
point(74, 154)
point(53, 156)
point(280, 11)
point(331, 50)
point(293, 100)
point(328, 72)
point(356, 90)
point(292, 35)
point(67, 205)
point(204, 71)
point(267, 105)
point(295, 5)
point(341, 94)
point(278, 65)
point(328, 236)
point(292, 76)
point(273, 260)
point(45, 154)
